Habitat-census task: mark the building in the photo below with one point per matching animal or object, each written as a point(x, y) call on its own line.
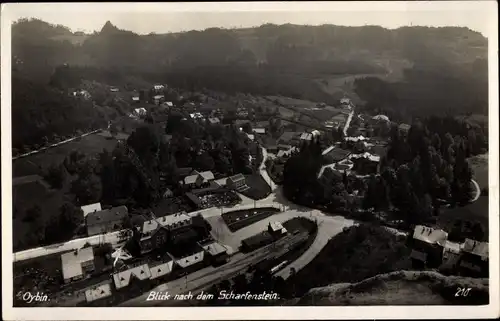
point(140, 111)
point(260, 131)
point(136, 99)
point(197, 180)
point(236, 182)
point(474, 260)
point(427, 246)
point(91, 208)
point(78, 264)
point(216, 252)
point(284, 147)
point(122, 279)
point(158, 99)
point(168, 193)
point(256, 241)
point(168, 104)
point(98, 292)
point(334, 154)
point(404, 128)
point(276, 229)
point(214, 120)
point(365, 163)
point(306, 137)
point(345, 103)
point(106, 220)
point(161, 270)
point(158, 87)
point(194, 258)
point(272, 149)
point(286, 153)
point(114, 89)
point(315, 133)
point(382, 118)
point(196, 115)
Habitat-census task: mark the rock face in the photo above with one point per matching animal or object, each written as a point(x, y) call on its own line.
point(401, 288)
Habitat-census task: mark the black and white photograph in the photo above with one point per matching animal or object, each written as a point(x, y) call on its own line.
point(250, 155)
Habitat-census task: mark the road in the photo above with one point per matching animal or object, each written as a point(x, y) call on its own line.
point(58, 144)
point(348, 122)
point(478, 191)
point(112, 238)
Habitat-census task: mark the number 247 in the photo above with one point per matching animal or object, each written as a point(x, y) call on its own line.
point(463, 292)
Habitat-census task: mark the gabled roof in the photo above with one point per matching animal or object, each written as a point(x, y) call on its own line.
point(355, 139)
point(161, 269)
point(109, 215)
point(122, 279)
point(259, 130)
point(306, 136)
point(135, 98)
point(96, 207)
point(140, 110)
point(373, 158)
point(72, 262)
point(214, 248)
point(207, 175)
point(168, 220)
point(98, 292)
point(158, 97)
point(191, 259)
point(237, 177)
point(214, 120)
point(476, 248)
point(430, 235)
point(381, 117)
point(168, 103)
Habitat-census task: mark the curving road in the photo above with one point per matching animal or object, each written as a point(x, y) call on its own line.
point(478, 191)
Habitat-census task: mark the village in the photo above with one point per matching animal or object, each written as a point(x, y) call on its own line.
point(181, 234)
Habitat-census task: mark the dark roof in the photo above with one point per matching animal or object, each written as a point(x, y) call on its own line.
point(337, 154)
point(237, 177)
point(288, 136)
point(184, 171)
point(193, 198)
point(109, 215)
point(257, 239)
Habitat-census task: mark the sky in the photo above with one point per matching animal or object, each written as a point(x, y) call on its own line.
point(174, 17)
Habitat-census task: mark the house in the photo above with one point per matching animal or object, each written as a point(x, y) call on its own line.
point(214, 120)
point(404, 128)
point(168, 193)
point(106, 220)
point(381, 118)
point(256, 241)
point(272, 149)
point(158, 87)
point(260, 131)
point(113, 89)
point(197, 180)
point(306, 136)
point(216, 252)
point(335, 154)
point(355, 139)
point(236, 182)
point(474, 261)
point(140, 111)
point(98, 292)
point(136, 99)
point(427, 246)
point(158, 99)
point(196, 115)
point(78, 264)
point(276, 229)
point(82, 93)
point(192, 259)
point(315, 133)
point(184, 171)
point(161, 270)
point(286, 153)
point(122, 279)
point(168, 104)
point(251, 136)
point(86, 209)
point(365, 163)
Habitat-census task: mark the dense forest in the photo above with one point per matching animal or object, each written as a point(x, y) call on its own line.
point(49, 61)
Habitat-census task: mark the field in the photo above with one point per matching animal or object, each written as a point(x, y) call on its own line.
point(479, 166)
point(259, 188)
point(33, 164)
point(239, 219)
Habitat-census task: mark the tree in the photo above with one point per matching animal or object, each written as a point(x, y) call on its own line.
point(205, 162)
point(56, 175)
point(87, 189)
